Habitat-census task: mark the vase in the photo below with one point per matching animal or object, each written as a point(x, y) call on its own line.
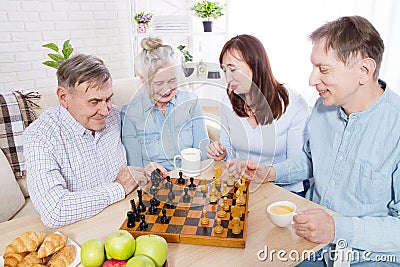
point(207, 25)
point(141, 28)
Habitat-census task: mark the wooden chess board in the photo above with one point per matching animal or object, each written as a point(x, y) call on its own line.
point(184, 225)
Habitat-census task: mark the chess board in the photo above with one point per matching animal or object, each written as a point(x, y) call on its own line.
point(184, 225)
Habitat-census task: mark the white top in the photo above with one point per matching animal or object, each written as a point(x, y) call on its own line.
point(269, 144)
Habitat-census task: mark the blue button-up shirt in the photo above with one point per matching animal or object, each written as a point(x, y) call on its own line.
point(150, 136)
point(355, 163)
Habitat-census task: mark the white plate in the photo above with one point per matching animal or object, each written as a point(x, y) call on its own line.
point(76, 261)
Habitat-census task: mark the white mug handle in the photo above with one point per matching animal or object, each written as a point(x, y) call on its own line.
point(292, 218)
point(176, 157)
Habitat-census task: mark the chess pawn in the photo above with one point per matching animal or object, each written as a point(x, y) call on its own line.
point(204, 219)
point(240, 200)
point(218, 229)
point(221, 213)
point(236, 226)
point(204, 186)
point(225, 191)
point(230, 181)
point(226, 206)
point(214, 190)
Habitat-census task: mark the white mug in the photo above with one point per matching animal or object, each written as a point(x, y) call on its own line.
point(190, 161)
point(281, 213)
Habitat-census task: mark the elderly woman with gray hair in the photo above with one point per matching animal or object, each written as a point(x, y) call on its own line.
point(163, 120)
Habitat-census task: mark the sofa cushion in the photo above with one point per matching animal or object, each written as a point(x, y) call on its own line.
point(11, 197)
point(15, 115)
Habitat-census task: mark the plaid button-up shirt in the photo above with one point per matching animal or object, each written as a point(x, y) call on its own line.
point(70, 172)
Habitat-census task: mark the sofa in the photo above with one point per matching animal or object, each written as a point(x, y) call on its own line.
point(14, 195)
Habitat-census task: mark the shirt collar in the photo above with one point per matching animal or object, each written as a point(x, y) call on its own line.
point(73, 124)
point(382, 98)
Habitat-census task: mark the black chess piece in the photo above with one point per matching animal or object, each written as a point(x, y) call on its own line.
point(154, 178)
point(192, 186)
point(143, 224)
point(171, 194)
point(135, 214)
point(153, 190)
point(168, 182)
point(156, 200)
point(153, 207)
point(186, 196)
point(140, 207)
point(181, 180)
point(131, 221)
point(164, 219)
point(160, 178)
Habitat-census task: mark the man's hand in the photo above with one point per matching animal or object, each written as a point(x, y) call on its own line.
point(138, 175)
point(216, 151)
point(256, 172)
point(126, 179)
point(315, 225)
point(149, 168)
point(232, 167)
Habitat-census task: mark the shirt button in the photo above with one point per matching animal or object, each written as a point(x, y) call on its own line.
point(333, 183)
point(348, 133)
point(340, 157)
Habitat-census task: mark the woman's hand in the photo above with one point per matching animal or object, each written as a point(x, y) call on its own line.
point(149, 168)
point(216, 151)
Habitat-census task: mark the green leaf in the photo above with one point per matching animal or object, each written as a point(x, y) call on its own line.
point(56, 57)
point(52, 46)
point(52, 64)
point(67, 49)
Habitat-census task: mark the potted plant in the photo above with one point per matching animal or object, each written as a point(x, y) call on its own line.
point(187, 57)
point(143, 20)
point(208, 10)
point(61, 56)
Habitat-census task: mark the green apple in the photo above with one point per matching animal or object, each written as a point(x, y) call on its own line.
point(120, 245)
point(92, 253)
point(153, 246)
point(140, 261)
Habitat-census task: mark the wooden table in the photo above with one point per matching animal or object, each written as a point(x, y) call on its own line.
point(261, 233)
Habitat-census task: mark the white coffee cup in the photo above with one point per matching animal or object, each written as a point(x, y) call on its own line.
point(281, 213)
point(190, 161)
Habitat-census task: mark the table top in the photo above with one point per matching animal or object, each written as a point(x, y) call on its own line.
point(262, 235)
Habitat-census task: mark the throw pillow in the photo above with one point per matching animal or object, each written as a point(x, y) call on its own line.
point(16, 114)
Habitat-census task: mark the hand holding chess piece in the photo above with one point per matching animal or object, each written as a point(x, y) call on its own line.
point(257, 172)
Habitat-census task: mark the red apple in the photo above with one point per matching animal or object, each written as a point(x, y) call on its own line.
point(92, 253)
point(153, 246)
point(120, 245)
point(114, 263)
point(140, 261)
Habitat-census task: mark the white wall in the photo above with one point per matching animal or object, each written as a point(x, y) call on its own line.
point(284, 26)
point(98, 27)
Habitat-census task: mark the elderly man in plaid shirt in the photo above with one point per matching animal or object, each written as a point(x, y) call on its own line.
point(76, 163)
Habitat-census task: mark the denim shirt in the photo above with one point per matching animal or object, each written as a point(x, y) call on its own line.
point(150, 136)
point(355, 163)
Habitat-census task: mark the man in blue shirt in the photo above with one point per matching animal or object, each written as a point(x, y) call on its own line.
point(352, 151)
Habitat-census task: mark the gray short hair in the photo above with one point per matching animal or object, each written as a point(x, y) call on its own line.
point(82, 68)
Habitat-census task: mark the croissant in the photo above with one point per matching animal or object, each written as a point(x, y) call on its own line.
point(33, 265)
point(12, 260)
point(26, 242)
point(64, 257)
point(51, 244)
point(32, 257)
